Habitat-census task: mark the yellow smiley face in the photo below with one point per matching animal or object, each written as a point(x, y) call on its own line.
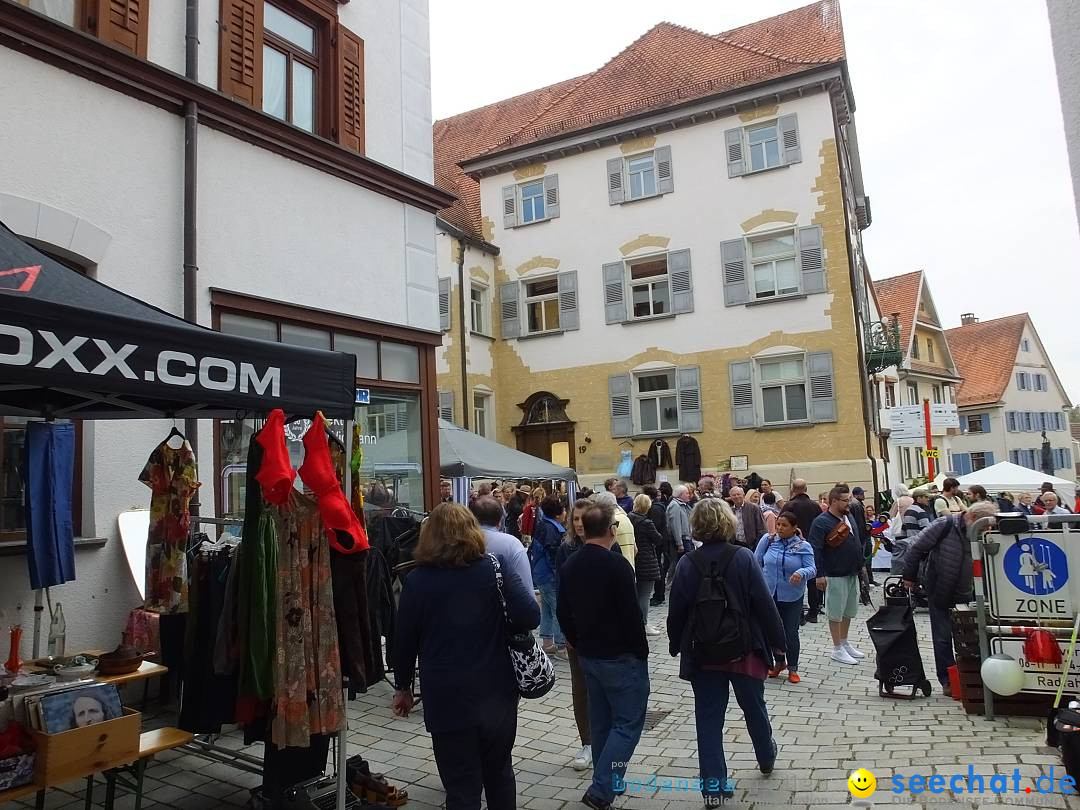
point(862, 783)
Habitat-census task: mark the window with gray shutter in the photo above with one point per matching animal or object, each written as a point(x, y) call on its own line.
point(551, 196)
point(688, 382)
point(665, 178)
point(614, 294)
point(510, 309)
point(733, 259)
point(619, 394)
point(616, 193)
point(509, 197)
point(568, 303)
point(446, 405)
point(811, 260)
point(444, 304)
point(1010, 421)
point(789, 139)
point(682, 282)
point(822, 388)
point(733, 143)
point(741, 377)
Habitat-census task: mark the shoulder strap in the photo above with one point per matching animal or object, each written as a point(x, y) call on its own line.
point(498, 581)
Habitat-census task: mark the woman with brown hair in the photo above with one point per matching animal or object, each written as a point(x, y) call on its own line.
point(450, 615)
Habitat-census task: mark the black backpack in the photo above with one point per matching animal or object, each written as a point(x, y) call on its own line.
point(719, 631)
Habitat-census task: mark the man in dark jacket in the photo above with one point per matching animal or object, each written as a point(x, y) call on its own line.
point(806, 511)
point(749, 522)
point(858, 514)
point(839, 557)
point(949, 576)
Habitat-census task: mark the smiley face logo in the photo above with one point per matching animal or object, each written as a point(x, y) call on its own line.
point(862, 783)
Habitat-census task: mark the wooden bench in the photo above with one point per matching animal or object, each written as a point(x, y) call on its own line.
point(131, 776)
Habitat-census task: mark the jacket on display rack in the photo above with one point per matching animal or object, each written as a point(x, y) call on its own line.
point(688, 458)
point(644, 471)
point(660, 455)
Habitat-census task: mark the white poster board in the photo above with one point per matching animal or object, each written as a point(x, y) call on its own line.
point(1040, 678)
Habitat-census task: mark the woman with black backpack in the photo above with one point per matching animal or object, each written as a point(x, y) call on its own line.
point(723, 622)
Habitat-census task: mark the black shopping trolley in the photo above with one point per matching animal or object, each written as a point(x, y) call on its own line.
point(892, 629)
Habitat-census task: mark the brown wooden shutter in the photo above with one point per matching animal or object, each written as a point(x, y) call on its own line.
point(240, 57)
point(122, 23)
point(350, 90)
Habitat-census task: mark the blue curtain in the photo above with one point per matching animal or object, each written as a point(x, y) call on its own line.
point(48, 467)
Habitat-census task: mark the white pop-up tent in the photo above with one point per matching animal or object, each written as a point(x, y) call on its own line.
point(1008, 477)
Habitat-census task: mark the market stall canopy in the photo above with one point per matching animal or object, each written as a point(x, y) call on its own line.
point(71, 347)
point(464, 453)
point(1008, 477)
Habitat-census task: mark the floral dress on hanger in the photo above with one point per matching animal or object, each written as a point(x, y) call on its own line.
point(173, 478)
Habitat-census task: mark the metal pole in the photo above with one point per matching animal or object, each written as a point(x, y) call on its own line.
point(975, 531)
point(342, 756)
point(929, 440)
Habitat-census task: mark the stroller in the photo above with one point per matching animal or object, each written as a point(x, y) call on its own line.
point(892, 629)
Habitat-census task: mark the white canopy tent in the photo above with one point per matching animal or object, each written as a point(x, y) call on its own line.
point(1008, 477)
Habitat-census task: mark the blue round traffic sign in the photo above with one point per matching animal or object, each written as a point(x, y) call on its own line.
point(1036, 566)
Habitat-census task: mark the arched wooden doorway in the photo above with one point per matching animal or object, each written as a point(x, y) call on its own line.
point(545, 430)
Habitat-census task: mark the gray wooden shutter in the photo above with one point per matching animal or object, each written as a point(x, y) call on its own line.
point(551, 196)
point(665, 178)
point(509, 309)
point(568, 306)
point(444, 304)
point(733, 259)
point(682, 282)
point(989, 457)
point(733, 143)
point(962, 463)
point(963, 423)
point(822, 388)
point(509, 196)
point(688, 382)
point(622, 424)
point(1010, 421)
point(614, 294)
point(615, 181)
point(789, 139)
point(811, 260)
point(742, 394)
point(446, 405)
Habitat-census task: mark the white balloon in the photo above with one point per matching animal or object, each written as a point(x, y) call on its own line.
point(1002, 674)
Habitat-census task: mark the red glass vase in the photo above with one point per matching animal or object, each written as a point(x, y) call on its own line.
point(14, 663)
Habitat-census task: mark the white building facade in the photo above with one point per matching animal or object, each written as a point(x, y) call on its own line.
point(313, 213)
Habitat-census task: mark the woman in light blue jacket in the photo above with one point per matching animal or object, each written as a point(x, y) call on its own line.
point(788, 562)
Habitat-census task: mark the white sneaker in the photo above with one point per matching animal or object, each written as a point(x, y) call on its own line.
point(583, 761)
point(652, 631)
point(854, 653)
point(841, 654)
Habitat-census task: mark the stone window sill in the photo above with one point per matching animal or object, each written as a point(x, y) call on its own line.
point(12, 548)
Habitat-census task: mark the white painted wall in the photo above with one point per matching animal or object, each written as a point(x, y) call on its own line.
point(1065, 34)
point(705, 209)
point(99, 176)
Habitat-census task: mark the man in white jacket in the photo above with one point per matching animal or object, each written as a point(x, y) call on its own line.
point(678, 521)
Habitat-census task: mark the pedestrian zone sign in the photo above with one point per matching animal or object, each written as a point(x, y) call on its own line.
point(1028, 579)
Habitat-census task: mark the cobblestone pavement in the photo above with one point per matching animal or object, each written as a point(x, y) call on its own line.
point(827, 726)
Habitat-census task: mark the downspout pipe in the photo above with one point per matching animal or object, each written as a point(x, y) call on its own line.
point(191, 142)
point(464, 335)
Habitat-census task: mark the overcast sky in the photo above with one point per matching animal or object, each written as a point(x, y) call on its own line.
point(960, 131)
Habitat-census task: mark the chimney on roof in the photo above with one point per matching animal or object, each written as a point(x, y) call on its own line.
point(968, 318)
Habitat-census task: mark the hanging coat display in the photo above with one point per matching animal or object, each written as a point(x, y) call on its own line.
point(688, 458)
point(644, 471)
point(173, 477)
point(626, 464)
point(660, 455)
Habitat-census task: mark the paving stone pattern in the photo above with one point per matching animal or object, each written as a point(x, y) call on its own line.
point(828, 725)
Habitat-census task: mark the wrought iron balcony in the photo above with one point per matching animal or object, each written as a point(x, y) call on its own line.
point(883, 344)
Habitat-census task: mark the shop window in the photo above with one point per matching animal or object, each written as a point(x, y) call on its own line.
point(365, 350)
point(399, 362)
point(305, 336)
point(391, 441)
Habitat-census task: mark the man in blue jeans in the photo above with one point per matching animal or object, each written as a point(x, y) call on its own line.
point(599, 614)
point(548, 534)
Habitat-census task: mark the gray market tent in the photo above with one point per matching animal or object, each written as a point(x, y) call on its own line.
point(463, 454)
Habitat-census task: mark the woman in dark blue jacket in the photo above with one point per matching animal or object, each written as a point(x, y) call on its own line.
point(547, 537)
point(713, 523)
point(451, 617)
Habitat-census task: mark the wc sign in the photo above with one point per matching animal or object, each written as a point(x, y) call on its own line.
point(1028, 579)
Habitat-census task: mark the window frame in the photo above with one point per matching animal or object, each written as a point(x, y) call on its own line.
point(913, 393)
point(630, 284)
point(982, 419)
point(915, 349)
point(1023, 381)
point(316, 61)
point(484, 305)
point(930, 350)
point(651, 155)
point(761, 384)
point(890, 395)
point(527, 300)
point(748, 146)
point(971, 460)
point(520, 191)
point(481, 424)
point(637, 397)
point(1025, 345)
point(752, 264)
point(936, 395)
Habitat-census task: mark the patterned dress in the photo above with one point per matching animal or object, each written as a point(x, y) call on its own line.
point(307, 679)
point(173, 478)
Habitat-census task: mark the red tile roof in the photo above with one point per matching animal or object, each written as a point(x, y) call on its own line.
point(668, 65)
point(985, 354)
point(899, 295)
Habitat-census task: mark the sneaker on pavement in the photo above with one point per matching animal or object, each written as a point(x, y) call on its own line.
point(766, 768)
point(841, 655)
point(652, 631)
point(594, 802)
point(583, 761)
point(811, 617)
point(793, 677)
point(854, 653)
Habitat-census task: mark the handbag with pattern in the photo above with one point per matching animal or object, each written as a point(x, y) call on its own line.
point(533, 670)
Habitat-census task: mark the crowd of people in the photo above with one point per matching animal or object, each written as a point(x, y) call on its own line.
point(742, 570)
